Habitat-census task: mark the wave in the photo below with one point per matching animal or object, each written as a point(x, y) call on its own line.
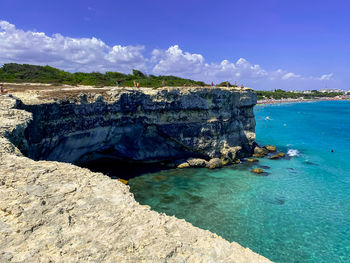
point(293, 152)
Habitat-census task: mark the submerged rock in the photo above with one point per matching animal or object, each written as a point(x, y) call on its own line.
point(251, 160)
point(281, 154)
point(257, 155)
point(257, 171)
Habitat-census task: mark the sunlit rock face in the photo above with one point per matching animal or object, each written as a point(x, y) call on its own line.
point(147, 125)
point(59, 212)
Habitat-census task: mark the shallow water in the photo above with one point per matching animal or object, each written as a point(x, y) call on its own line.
point(300, 212)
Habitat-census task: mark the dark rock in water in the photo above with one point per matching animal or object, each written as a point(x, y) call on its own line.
point(264, 167)
point(274, 157)
point(159, 178)
point(292, 171)
point(275, 200)
point(257, 171)
point(310, 163)
point(167, 199)
point(196, 199)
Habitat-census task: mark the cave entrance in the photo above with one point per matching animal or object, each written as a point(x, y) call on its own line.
point(123, 169)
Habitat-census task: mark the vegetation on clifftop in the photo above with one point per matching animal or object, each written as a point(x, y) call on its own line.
point(19, 73)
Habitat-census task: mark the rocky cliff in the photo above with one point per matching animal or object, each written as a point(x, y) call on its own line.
point(142, 125)
point(57, 212)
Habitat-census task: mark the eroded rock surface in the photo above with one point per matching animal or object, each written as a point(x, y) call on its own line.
point(142, 125)
point(58, 212)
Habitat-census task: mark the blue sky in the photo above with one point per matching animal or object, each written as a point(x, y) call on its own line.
point(265, 44)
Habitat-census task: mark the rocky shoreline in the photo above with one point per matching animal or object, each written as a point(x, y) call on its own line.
point(57, 212)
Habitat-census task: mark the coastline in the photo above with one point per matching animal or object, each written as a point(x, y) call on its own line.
point(300, 100)
point(93, 216)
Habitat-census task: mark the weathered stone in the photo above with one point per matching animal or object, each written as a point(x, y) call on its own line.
point(260, 151)
point(141, 124)
point(257, 171)
point(183, 165)
point(274, 157)
point(256, 155)
point(251, 160)
point(226, 161)
point(214, 163)
point(196, 162)
point(58, 212)
point(281, 154)
point(270, 148)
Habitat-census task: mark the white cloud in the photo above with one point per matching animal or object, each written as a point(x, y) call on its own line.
point(92, 54)
point(326, 76)
point(290, 75)
point(73, 54)
point(175, 61)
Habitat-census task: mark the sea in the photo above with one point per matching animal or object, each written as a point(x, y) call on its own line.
point(297, 211)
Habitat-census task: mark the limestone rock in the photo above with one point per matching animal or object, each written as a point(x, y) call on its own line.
point(140, 124)
point(257, 171)
point(252, 160)
point(260, 151)
point(58, 212)
point(256, 155)
point(270, 148)
point(281, 154)
point(274, 157)
point(196, 162)
point(226, 161)
point(184, 165)
point(214, 163)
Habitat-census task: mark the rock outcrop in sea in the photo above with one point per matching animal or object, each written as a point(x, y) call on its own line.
point(54, 211)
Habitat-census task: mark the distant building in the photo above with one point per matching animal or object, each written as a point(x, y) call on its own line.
point(332, 90)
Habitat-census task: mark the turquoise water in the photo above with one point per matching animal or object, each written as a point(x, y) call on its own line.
point(300, 212)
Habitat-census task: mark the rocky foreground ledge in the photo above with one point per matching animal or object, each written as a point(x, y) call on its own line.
point(57, 212)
